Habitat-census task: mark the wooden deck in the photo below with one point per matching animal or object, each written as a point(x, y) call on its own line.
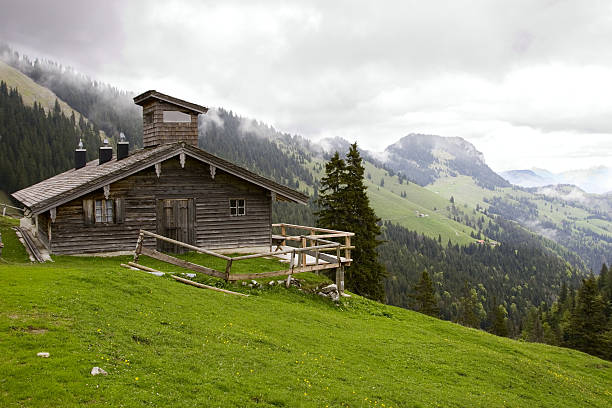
point(315, 251)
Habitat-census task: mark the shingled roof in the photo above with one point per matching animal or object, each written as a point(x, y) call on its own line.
point(153, 94)
point(75, 183)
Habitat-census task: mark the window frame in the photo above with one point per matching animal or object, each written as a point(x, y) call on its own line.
point(106, 206)
point(176, 116)
point(237, 207)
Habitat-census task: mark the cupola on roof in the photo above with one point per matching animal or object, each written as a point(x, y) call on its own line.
point(167, 119)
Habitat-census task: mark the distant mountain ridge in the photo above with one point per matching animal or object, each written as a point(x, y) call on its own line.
point(596, 180)
point(425, 158)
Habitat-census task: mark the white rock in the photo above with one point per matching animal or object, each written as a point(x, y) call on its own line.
point(43, 354)
point(272, 283)
point(330, 288)
point(98, 370)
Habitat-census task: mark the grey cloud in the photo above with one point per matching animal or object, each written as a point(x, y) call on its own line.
point(343, 68)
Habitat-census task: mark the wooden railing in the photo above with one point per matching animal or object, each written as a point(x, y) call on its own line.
point(5, 206)
point(322, 260)
point(326, 234)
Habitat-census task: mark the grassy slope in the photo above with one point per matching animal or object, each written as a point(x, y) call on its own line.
point(466, 191)
point(167, 344)
point(389, 205)
point(31, 91)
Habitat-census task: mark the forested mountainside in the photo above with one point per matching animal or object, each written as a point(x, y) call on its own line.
point(111, 110)
point(590, 238)
point(35, 144)
point(476, 279)
point(257, 146)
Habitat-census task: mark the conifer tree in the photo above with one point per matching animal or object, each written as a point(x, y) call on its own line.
point(344, 205)
point(588, 320)
point(332, 210)
point(500, 322)
point(424, 296)
point(468, 308)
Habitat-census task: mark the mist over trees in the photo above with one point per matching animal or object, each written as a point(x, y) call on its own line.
point(34, 144)
point(110, 109)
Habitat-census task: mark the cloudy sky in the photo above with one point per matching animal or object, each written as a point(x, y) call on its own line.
point(529, 82)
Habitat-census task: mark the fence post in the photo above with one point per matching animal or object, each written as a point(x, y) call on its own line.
point(228, 269)
point(284, 234)
point(340, 278)
point(303, 255)
point(347, 244)
point(138, 246)
point(291, 263)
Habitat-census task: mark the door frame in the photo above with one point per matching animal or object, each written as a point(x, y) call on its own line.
point(160, 223)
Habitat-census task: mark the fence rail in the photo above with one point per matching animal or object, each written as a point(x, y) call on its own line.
point(319, 244)
point(4, 206)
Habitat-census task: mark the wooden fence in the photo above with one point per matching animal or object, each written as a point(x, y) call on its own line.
point(4, 206)
point(315, 246)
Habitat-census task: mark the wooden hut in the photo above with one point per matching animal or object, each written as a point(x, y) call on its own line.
point(170, 186)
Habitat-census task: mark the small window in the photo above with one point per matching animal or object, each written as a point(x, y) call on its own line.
point(176, 117)
point(104, 211)
point(237, 207)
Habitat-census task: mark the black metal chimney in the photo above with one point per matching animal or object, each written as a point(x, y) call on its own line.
point(106, 153)
point(123, 147)
point(80, 156)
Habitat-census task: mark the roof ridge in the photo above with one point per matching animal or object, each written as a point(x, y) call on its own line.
point(72, 183)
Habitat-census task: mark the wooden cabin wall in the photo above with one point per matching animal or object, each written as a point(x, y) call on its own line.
point(215, 228)
point(43, 228)
point(157, 132)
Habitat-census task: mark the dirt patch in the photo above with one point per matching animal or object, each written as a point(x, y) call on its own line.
point(34, 330)
point(30, 329)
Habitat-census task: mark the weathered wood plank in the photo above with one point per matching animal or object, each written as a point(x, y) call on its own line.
point(183, 264)
point(309, 268)
point(201, 285)
point(192, 247)
point(313, 229)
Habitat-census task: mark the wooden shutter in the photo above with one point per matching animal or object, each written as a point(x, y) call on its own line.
point(119, 210)
point(88, 212)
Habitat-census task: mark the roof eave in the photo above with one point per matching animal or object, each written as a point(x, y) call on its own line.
point(194, 152)
point(140, 99)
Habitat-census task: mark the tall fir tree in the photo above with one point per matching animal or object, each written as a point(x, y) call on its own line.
point(588, 322)
point(344, 205)
point(425, 297)
point(468, 308)
point(333, 212)
point(499, 324)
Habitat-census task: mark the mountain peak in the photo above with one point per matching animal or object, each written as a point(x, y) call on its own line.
point(425, 158)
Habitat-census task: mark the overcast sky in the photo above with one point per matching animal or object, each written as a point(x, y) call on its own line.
point(528, 82)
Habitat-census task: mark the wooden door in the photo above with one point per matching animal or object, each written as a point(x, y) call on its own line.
point(176, 220)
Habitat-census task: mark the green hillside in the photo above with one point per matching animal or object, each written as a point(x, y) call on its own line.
point(581, 228)
point(32, 92)
point(420, 210)
point(167, 344)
